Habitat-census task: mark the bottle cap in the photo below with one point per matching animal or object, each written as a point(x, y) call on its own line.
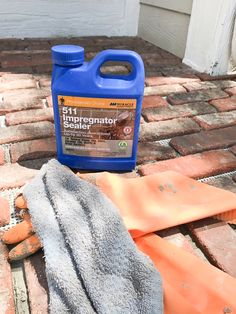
point(67, 55)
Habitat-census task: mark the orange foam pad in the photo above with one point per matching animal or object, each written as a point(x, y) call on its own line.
point(163, 200)
point(190, 284)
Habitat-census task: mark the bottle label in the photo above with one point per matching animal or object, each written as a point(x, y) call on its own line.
point(97, 127)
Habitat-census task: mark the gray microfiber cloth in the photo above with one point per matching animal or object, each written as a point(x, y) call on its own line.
point(92, 263)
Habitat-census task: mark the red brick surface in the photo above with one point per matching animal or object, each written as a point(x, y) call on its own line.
point(195, 166)
point(193, 86)
point(22, 99)
point(33, 149)
point(231, 91)
point(174, 236)
point(37, 284)
point(16, 81)
point(225, 183)
point(154, 151)
point(226, 104)
point(164, 90)
point(6, 288)
point(14, 175)
point(49, 101)
point(25, 132)
point(199, 97)
point(218, 240)
point(155, 81)
point(233, 149)
point(224, 83)
point(1, 155)
point(26, 116)
point(182, 98)
point(205, 140)
point(216, 120)
point(153, 102)
point(4, 212)
point(170, 112)
point(154, 131)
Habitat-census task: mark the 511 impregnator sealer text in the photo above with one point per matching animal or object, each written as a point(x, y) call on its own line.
point(96, 115)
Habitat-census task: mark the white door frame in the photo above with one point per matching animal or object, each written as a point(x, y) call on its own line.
point(210, 34)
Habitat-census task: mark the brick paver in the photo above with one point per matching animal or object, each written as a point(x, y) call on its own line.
point(193, 110)
point(195, 166)
point(21, 99)
point(233, 149)
point(26, 116)
point(216, 120)
point(164, 90)
point(154, 131)
point(14, 175)
point(226, 104)
point(155, 81)
point(154, 151)
point(25, 132)
point(4, 212)
point(182, 98)
point(194, 86)
point(170, 112)
point(40, 148)
point(10, 81)
point(231, 91)
point(205, 140)
point(153, 102)
point(36, 284)
point(6, 290)
point(218, 240)
point(225, 183)
point(1, 155)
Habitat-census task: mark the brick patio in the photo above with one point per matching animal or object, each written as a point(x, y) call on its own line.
point(188, 125)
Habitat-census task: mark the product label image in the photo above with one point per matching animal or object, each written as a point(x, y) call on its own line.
point(97, 127)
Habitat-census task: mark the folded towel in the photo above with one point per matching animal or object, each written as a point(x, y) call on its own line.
point(92, 264)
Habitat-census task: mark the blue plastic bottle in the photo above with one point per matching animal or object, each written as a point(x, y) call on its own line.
point(96, 115)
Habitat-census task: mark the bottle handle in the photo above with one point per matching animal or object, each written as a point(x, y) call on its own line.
point(137, 73)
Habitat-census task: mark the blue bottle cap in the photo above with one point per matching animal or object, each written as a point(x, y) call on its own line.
point(67, 55)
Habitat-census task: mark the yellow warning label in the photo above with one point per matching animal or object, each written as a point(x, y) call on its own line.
point(103, 103)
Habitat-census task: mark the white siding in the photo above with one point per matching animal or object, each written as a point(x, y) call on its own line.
point(210, 36)
point(50, 18)
point(165, 23)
